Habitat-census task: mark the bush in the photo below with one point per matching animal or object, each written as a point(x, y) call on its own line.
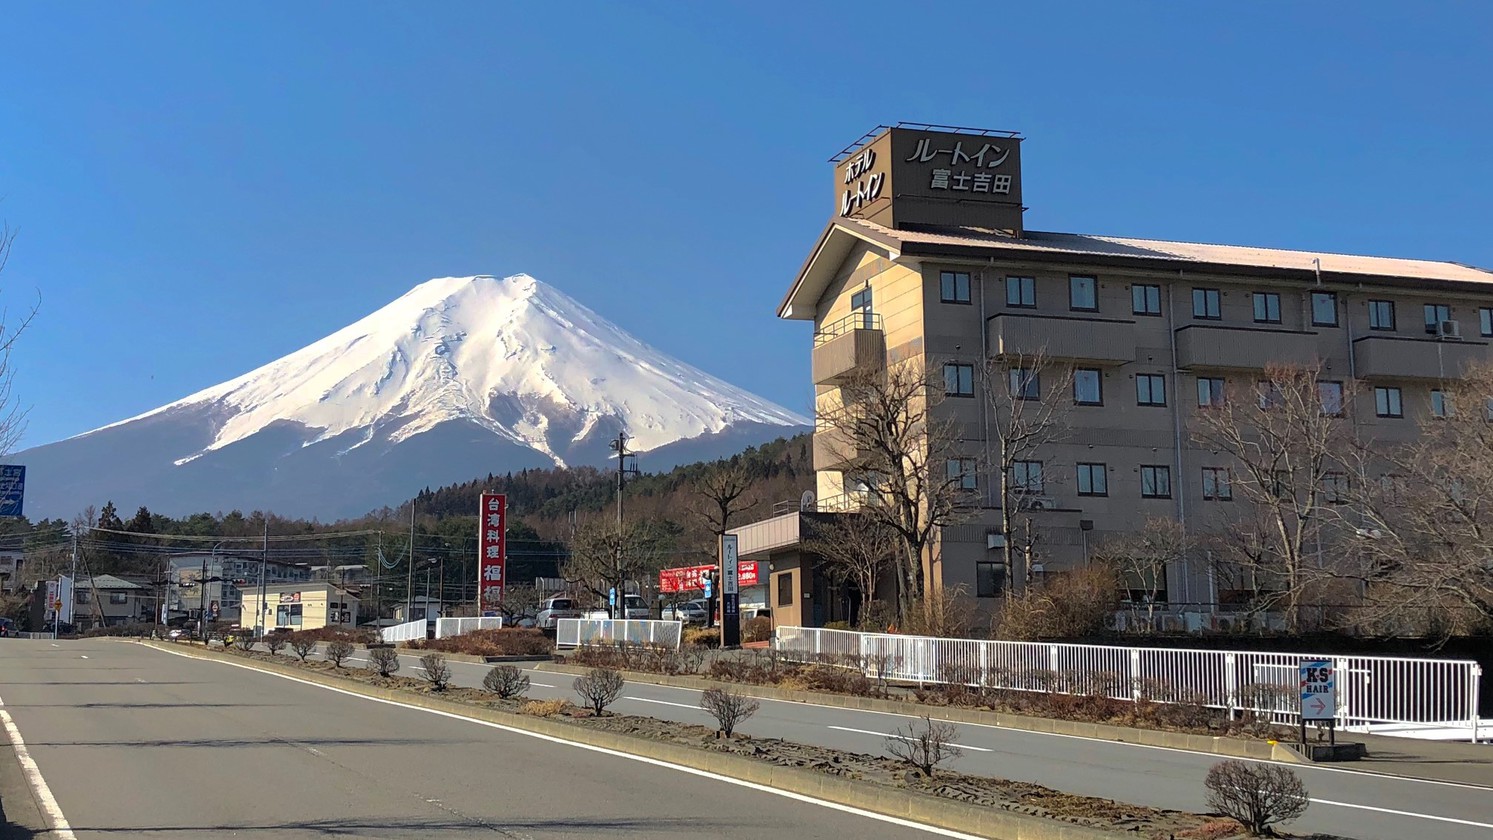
point(924, 745)
point(546, 708)
point(245, 642)
point(327, 634)
point(728, 708)
point(434, 670)
point(275, 642)
point(506, 681)
point(757, 630)
point(599, 688)
point(338, 651)
point(703, 636)
point(1070, 605)
point(383, 660)
point(1257, 795)
point(302, 645)
point(514, 641)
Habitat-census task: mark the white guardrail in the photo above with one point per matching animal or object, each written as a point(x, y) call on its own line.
point(406, 632)
point(574, 632)
point(1372, 690)
point(448, 627)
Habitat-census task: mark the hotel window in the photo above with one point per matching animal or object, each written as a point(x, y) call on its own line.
point(1155, 481)
point(1150, 389)
point(785, 589)
point(1025, 384)
point(1021, 291)
point(1381, 315)
point(1485, 321)
point(1210, 392)
point(1081, 294)
point(1324, 309)
point(954, 286)
point(1438, 403)
point(1216, 484)
point(1205, 304)
point(1435, 314)
point(861, 302)
point(1269, 393)
point(1267, 308)
point(1088, 388)
point(1145, 299)
point(959, 380)
point(990, 578)
point(961, 473)
point(1026, 476)
point(1092, 480)
point(1335, 488)
point(1330, 395)
point(1387, 402)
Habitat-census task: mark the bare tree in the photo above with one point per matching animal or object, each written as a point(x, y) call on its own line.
point(1072, 605)
point(1284, 441)
point(725, 493)
point(1257, 795)
point(1029, 397)
point(1142, 557)
point(925, 744)
point(602, 557)
point(858, 549)
point(728, 707)
point(506, 681)
point(274, 643)
point(339, 651)
point(301, 645)
point(899, 448)
point(12, 416)
point(385, 661)
point(600, 687)
point(519, 600)
point(434, 670)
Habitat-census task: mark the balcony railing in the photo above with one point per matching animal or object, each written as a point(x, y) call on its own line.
point(850, 323)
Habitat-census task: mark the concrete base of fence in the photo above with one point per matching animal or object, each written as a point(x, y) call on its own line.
point(1341, 751)
point(880, 799)
point(1214, 744)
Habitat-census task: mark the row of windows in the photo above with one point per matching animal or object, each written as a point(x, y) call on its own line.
point(1021, 292)
point(1092, 478)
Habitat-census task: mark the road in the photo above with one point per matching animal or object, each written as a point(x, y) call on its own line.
point(139, 743)
point(1352, 804)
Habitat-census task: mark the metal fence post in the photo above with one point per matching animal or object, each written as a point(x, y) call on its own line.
point(1230, 683)
point(1135, 673)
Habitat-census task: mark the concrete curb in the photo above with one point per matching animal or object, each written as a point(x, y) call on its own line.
point(1211, 744)
point(929, 810)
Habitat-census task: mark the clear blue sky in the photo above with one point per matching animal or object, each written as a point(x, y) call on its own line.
point(202, 188)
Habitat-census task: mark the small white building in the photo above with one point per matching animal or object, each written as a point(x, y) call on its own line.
point(300, 606)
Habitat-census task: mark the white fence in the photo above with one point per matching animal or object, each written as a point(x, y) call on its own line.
point(448, 627)
point(574, 632)
point(408, 631)
point(1429, 693)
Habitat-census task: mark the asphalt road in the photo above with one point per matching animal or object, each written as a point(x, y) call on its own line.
point(1351, 804)
point(139, 743)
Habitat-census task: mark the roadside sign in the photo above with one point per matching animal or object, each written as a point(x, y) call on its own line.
point(1318, 690)
point(730, 592)
point(492, 549)
point(612, 596)
point(12, 489)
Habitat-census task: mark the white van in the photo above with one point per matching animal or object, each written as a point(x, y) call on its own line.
point(554, 609)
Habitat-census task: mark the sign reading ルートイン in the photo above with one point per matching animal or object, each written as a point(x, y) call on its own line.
point(912, 175)
point(492, 549)
point(1318, 690)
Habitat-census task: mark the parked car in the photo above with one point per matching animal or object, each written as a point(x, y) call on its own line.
point(689, 612)
point(556, 608)
point(633, 606)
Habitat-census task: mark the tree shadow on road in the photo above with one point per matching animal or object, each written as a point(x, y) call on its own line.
point(218, 743)
point(584, 826)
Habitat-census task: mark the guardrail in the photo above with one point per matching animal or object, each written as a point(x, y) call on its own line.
point(574, 632)
point(408, 631)
point(447, 627)
point(1372, 690)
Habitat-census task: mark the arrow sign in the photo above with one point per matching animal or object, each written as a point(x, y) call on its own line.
point(1318, 681)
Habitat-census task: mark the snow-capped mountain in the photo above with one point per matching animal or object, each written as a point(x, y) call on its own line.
point(459, 377)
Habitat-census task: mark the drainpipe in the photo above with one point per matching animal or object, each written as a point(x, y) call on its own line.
point(985, 397)
point(1178, 483)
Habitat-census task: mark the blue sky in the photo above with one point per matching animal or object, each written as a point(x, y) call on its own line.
point(202, 188)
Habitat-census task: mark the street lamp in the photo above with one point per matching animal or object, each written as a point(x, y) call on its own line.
point(429, 564)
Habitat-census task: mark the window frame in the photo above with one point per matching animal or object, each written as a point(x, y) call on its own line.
point(1330, 385)
point(1485, 321)
point(117, 598)
point(1157, 471)
point(1376, 322)
point(1026, 287)
point(1205, 296)
point(1439, 404)
point(1330, 297)
point(1267, 298)
point(1222, 491)
point(1098, 386)
point(1216, 398)
point(964, 469)
point(1024, 484)
point(1075, 282)
point(1389, 402)
point(1151, 380)
point(948, 287)
point(1145, 290)
point(1433, 327)
point(1091, 469)
point(786, 592)
point(959, 370)
point(1024, 384)
point(997, 572)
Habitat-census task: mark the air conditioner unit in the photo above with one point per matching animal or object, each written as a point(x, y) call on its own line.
point(995, 540)
point(1448, 329)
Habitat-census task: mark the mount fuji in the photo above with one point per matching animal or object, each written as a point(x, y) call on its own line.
point(459, 377)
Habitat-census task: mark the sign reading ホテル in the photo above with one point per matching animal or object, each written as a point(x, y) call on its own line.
point(492, 549)
point(909, 175)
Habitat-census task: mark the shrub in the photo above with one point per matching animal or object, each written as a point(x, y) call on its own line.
point(757, 630)
point(338, 651)
point(599, 688)
point(1257, 795)
point(302, 645)
point(245, 642)
point(546, 708)
point(275, 642)
point(509, 641)
point(924, 744)
point(728, 708)
point(434, 670)
point(1073, 604)
point(383, 660)
point(506, 681)
point(703, 636)
point(327, 634)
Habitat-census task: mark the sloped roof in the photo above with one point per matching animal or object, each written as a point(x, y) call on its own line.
point(107, 582)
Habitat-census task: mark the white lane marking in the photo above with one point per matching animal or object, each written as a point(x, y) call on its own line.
point(316, 752)
point(54, 644)
point(1387, 777)
point(138, 680)
point(834, 806)
point(903, 737)
point(34, 778)
point(85, 656)
point(663, 703)
point(1402, 813)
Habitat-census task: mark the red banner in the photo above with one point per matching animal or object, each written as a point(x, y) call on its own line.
point(492, 549)
point(687, 578)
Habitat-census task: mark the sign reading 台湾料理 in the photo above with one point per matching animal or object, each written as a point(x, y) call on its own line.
point(1318, 681)
point(492, 549)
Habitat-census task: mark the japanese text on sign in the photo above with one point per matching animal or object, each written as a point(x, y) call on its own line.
point(492, 549)
point(989, 156)
point(690, 578)
point(867, 184)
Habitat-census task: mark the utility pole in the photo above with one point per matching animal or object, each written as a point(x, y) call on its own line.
point(264, 559)
point(409, 586)
point(619, 445)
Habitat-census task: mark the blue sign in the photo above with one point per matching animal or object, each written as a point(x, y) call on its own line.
point(612, 596)
point(12, 489)
point(707, 587)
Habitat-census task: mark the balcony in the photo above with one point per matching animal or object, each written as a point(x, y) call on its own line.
point(1395, 357)
point(851, 345)
point(1103, 341)
point(833, 449)
point(1243, 348)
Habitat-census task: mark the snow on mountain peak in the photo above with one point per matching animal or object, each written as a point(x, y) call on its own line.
point(511, 354)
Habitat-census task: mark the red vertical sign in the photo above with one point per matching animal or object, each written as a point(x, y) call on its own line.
point(492, 550)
